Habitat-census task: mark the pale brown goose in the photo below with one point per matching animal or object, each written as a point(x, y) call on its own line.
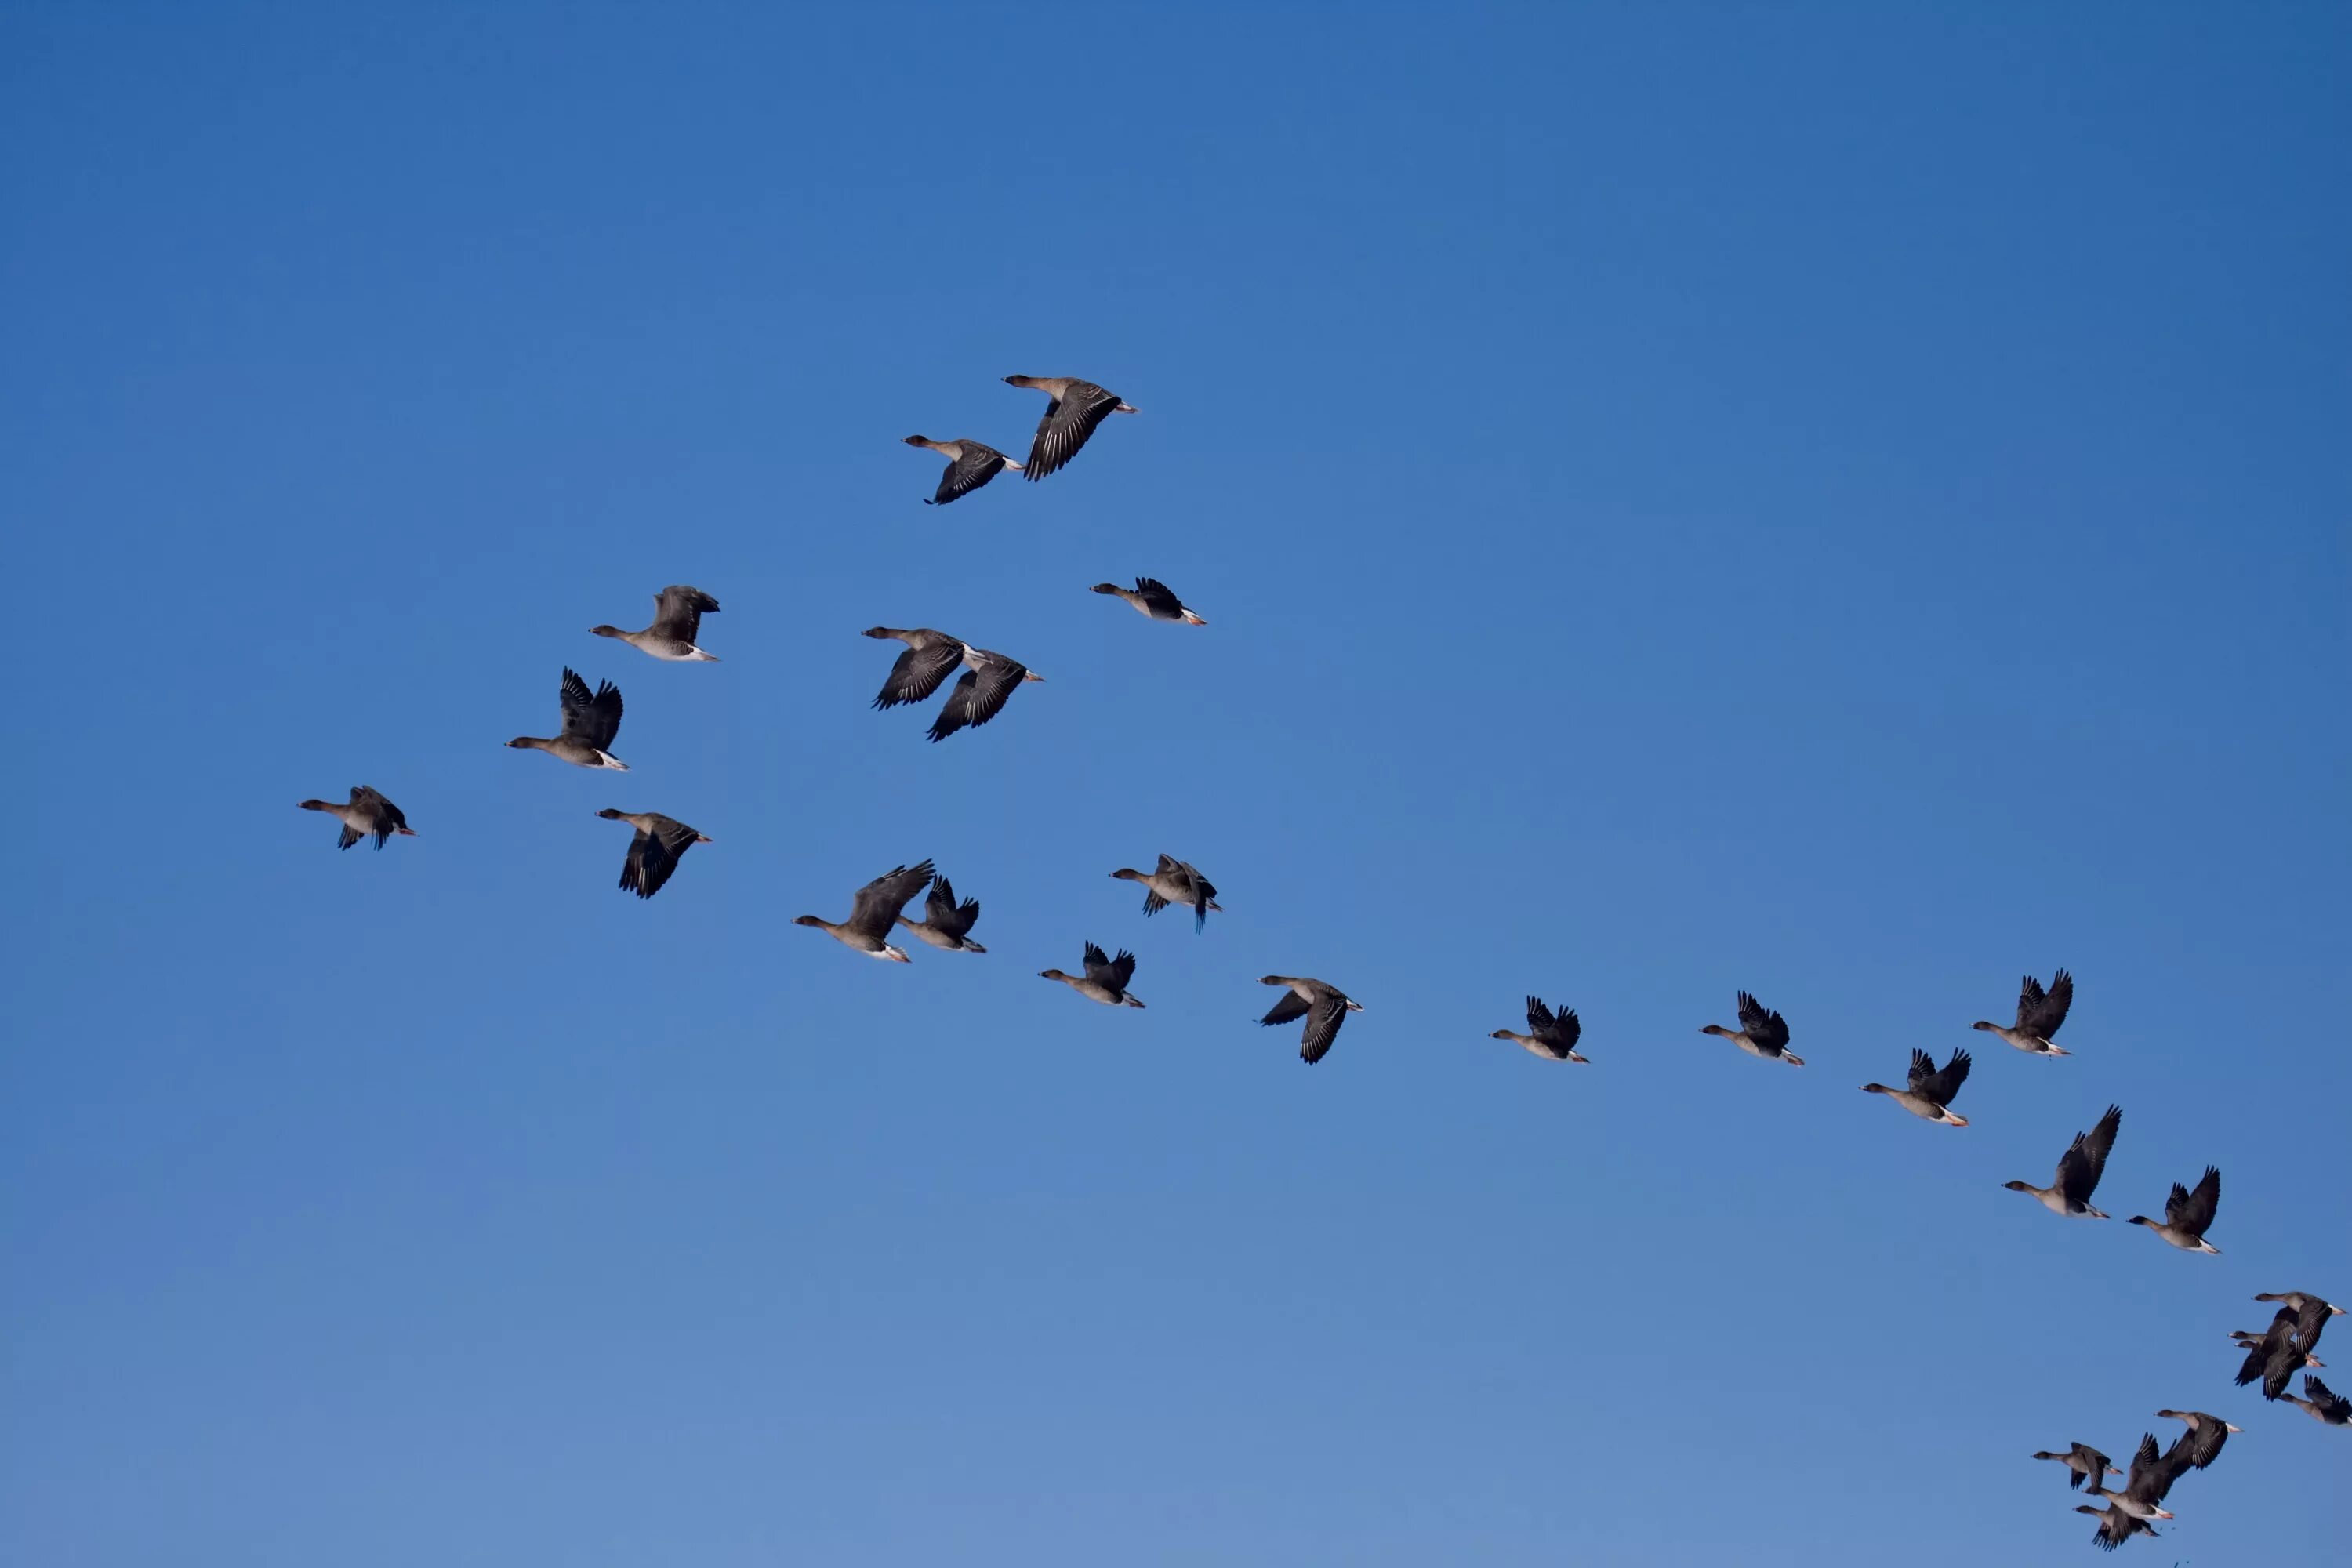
point(2152, 1475)
point(2189, 1215)
point(1154, 598)
point(1325, 1007)
point(590, 722)
point(2311, 1315)
point(1551, 1036)
point(2082, 1463)
point(1175, 881)
point(677, 620)
point(1104, 980)
point(2201, 1443)
point(2115, 1526)
point(981, 692)
point(366, 815)
point(1929, 1097)
point(2324, 1406)
point(1761, 1033)
point(946, 922)
point(660, 842)
point(971, 463)
point(1078, 407)
point(2039, 1013)
point(874, 911)
point(2079, 1168)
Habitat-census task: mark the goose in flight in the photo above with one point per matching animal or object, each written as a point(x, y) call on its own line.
point(2324, 1406)
point(1175, 881)
point(1761, 1033)
point(1154, 598)
point(1104, 980)
point(2311, 1315)
point(2201, 1443)
point(1077, 406)
point(2152, 1475)
point(2069, 1191)
point(2115, 1526)
point(980, 694)
point(1325, 1008)
point(2189, 1214)
point(2082, 1463)
point(1551, 1036)
point(366, 815)
point(971, 463)
point(873, 912)
point(654, 853)
point(2275, 1356)
point(589, 725)
point(2039, 1013)
point(678, 618)
point(1930, 1094)
point(946, 923)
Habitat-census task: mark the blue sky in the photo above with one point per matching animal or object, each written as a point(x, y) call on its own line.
point(1843, 502)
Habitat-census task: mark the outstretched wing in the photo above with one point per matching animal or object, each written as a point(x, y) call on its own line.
point(1941, 1086)
point(2086, 1159)
point(943, 913)
point(1922, 1070)
point(917, 673)
point(1159, 601)
point(1290, 1009)
point(652, 858)
point(1322, 1028)
point(594, 720)
point(2038, 1013)
point(1762, 1025)
point(1069, 420)
point(878, 902)
point(978, 465)
point(1121, 969)
point(2193, 1211)
point(1539, 1017)
point(678, 611)
point(2095, 1465)
point(979, 696)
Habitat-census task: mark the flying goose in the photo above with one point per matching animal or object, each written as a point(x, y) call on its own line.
point(929, 656)
point(1175, 881)
point(589, 725)
point(1325, 1008)
point(2311, 1315)
point(2324, 1405)
point(971, 463)
point(2201, 1443)
point(367, 814)
point(660, 842)
point(945, 921)
point(2188, 1215)
point(2275, 1357)
point(677, 616)
point(1551, 1036)
point(1154, 598)
point(1077, 406)
point(2082, 1462)
point(2069, 1191)
point(875, 907)
point(1931, 1091)
point(2152, 1475)
point(2039, 1013)
point(980, 694)
point(2115, 1526)
point(1104, 980)
point(1761, 1033)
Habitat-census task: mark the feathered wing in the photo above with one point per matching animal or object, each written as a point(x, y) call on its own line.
point(1942, 1085)
point(1289, 1010)
point(979, 696)
point(978, 465)
point(678, 611)
point(649, 864)
point(1159, 601)
point(2193, 1211)
point(1069, 420)
point(2040, 1012)
point(943, 913)
point(594, 720)
point(917, 673)
point(2086, 1159)
point(877, 904)
point(1323, 1023)
point(2095, 1465)
point(1762, 1025)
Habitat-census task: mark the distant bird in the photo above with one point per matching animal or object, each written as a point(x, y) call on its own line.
point(367, 815)
point(660, 842)
point(589, 725)
point(1175, 881)
point(1761, 1033)
point(1154, 598)
point(1077, 406)
point(2274, 1358)
point(1931, 1091)
point(1104, 980)
point(2188, 1215)
point(874, 911)
point(1325, 1008)
point(971, 463)
point(1551, 1036)
point(2082, 1463)
point(2151, 1478)
point(2201, 1443)
point(2069, 1192)
point(2324, 1405)
point(2115, 1526)
point(2039, 1013)
point(987, 684)
point(678, 618)
point(2311, 1315)
point(946, 922)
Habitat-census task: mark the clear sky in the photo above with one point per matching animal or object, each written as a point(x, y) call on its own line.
point(1843, 502)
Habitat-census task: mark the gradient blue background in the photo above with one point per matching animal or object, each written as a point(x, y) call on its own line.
point(1847, 502)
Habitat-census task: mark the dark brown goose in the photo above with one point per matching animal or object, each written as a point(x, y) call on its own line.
point(987, 683)
point(1325, 1007)
point(2324, 1404)
point(971, 463)
point(2082, 1463)
point(1761, 1033)
point(1078, 407)
point(2311, 1315)
point(2274, 1357)
point(1551, 1036)
point(874, 911)
point(2039, 1013)
point(2188, 1215)
point(2201, 1443)
point(2152, 1475)
point(1154, 598)
point(590, 722)
point(1175, 881)
point(1929, 1097)
point(660, 842)
point(1104, 980)
point(366, 815)
point(945, 922)
point(678, 621)
point(2079, 1168)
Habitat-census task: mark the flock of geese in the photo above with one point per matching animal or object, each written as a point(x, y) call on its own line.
point(591, 723)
